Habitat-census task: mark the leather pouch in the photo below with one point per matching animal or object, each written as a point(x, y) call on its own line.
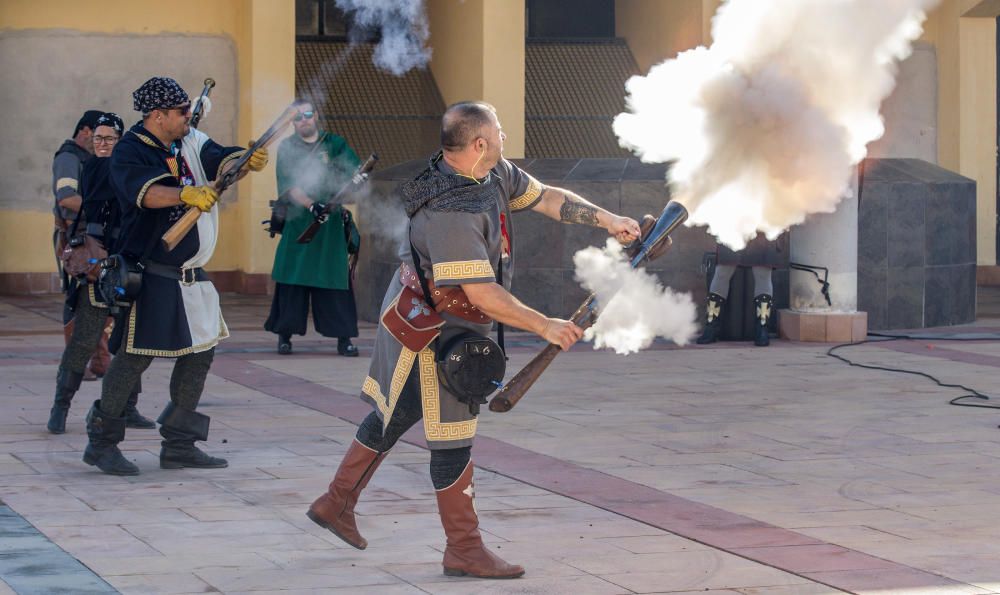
point(411, 321)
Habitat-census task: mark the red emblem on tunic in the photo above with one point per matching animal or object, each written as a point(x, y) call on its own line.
point(505, 237)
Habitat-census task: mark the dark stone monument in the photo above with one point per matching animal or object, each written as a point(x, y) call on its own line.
point(916, 245)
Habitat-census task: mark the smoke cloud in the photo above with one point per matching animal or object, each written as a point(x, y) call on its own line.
point(634, 307)
point(765, 125)
point(403, 27)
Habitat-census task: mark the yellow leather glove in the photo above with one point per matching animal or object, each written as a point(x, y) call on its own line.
point(200, 197)
point(258, 159)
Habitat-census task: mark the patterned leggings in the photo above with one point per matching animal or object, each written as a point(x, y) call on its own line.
point(186, 382)
point(86, 333)
point(446, 464)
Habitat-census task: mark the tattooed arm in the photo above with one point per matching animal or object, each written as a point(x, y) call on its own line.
point(568, 207)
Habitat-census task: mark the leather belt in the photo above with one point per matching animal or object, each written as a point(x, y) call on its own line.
point(185, 276)
point(447, 299)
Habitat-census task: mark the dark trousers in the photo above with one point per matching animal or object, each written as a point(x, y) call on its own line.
point(186, 383)
point(334, 311)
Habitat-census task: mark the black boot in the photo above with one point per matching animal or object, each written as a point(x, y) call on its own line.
point(134, 419)
point(284, 344)
point(346, 348)
point(180, 428)
point(105, 433)
point(67, 383)
point(762, 309)
point(713, 319)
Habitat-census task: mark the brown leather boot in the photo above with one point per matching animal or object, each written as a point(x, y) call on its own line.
point(465, 553)
point(334, 510)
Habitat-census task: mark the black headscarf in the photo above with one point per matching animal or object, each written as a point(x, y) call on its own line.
point(111, 119)
point(159, 92)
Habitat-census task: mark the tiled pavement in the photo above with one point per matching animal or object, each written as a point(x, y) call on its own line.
point(720, 469)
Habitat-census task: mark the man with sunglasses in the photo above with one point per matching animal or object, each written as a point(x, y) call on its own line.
point(159, 169)
point(102, 221)
point(313, 165)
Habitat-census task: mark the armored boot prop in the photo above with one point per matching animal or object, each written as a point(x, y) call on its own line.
point(67, 383)
point(713, 319)
point(762, 308)
point(334, 510)
point(105, 434)
point(465, 553)
point(134, 419)
point(180, 428)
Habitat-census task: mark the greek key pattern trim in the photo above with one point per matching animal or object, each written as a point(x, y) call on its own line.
point(373, 389)
point(225, 161)
point(463, 269)
point(130, 346)
point(434, 429)
point(529, 198)
point(149, 141)
point(93, 298)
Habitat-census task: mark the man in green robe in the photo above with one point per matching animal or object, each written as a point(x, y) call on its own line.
point(313, 165)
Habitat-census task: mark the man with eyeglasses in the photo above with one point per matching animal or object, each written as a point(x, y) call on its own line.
point(66, 167)
point(159, 169)
point(101, 220)
point(313, 165)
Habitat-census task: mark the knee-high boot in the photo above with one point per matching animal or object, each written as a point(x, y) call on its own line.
point(67, 383)
point(334, 510)
point(180, 428)
point(105, 432)
point(134, 419)
point(465, 553)
point(713, 319)
point(762, 309)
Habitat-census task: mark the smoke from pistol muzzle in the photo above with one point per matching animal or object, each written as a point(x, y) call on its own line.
point(765, 125)
point(403, 28)
point(634, 307)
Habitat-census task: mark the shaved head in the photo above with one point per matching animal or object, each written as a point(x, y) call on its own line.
point(463, 122)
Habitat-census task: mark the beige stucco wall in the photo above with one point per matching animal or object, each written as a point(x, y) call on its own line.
point(478, 54)
point(911, 111)
point(657, 30)
point(964, 35)
point(246, 45)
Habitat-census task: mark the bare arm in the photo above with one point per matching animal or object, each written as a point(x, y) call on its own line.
point(568, 207)
point(300, 197)
point(159, 196)
point(73, 203)
point(499, 304)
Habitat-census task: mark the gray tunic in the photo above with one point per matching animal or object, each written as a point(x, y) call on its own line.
point(66, 167)
point(454, 248)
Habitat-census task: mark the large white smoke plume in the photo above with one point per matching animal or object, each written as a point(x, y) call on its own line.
point(634, 307)
point(765, 125)
point(403, 27)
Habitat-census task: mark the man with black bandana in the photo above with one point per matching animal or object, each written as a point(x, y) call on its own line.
point(102, 220)
point(160, 168)
point(460, 230)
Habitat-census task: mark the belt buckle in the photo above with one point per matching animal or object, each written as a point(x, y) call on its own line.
point(184, 277)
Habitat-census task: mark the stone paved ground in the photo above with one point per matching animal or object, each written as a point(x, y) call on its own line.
point(721, 469)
